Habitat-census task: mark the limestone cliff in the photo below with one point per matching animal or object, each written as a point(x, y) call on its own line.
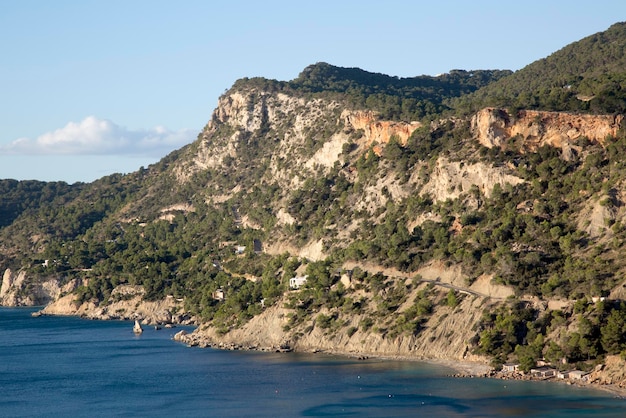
point(377, 130)
point(18, 290)
point(494, 127)
point(294, 121)
point(452, 178)
point(240, 114)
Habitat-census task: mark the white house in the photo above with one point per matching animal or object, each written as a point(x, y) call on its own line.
point(296, 282)
point(577, 374)
point(219, 294)
point(510, 367)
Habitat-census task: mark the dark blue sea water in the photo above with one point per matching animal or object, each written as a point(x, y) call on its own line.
point(65, 366)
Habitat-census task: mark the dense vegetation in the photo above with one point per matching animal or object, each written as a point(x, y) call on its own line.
point(396, 98)
point(586, 76)
point(16, 197)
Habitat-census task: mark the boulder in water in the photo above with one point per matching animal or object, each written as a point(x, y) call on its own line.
point(137, 328)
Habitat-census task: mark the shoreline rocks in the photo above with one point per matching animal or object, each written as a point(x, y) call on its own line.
point(166, 312)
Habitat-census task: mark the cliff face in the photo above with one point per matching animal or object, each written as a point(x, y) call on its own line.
point(17, 290)
point(326, 130)
point(496, 128)
point(322, 124)
point(250, 111)
point(241, 118)
point(450, 179)
point(376, 130)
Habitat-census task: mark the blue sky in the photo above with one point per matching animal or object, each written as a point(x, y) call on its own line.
point(89, 88)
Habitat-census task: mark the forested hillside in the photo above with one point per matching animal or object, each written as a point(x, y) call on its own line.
point(382, 192)
point(586, 76)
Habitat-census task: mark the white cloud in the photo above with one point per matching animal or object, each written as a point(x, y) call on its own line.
point(93, 136)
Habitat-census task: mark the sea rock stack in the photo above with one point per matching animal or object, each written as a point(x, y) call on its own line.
point(137, 328)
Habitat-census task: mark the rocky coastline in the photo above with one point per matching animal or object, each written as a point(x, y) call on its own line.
point(598, 379)
point(606, 377)
point(463, 368)
point(266, 334)
point(127, 304)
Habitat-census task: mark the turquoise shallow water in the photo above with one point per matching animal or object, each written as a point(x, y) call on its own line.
point(65, 366)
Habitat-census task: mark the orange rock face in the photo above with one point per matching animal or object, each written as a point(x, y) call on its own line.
point(381, 131)
point(495, 127)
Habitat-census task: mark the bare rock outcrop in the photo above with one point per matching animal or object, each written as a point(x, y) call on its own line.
point(313, 250)
point(126, 303)
point(444, 337)
point(295, 121)
point(451, 178)
point(14, 292)
point(494, 127)
point(249, 112)
point(377, 130)
point(613, 372)
point(594, 217)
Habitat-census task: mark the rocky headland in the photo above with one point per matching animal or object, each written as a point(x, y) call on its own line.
point(126, 303)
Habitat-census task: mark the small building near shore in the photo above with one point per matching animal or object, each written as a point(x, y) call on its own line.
point(577, 375)
point(543, 372)
point(572, 375)
point(510, 367)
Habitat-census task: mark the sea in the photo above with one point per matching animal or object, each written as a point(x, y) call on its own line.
point(73, 367)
